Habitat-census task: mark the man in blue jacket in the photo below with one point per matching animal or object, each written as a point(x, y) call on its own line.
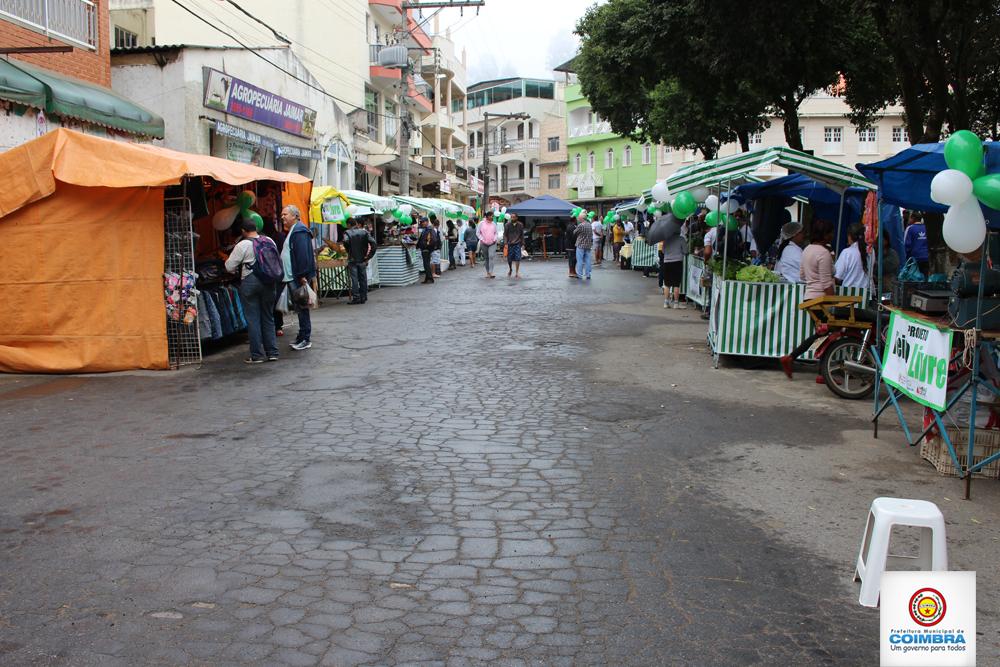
point(300, 267)
point(915, 242)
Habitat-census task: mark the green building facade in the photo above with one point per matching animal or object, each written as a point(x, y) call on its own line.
point(604, 168)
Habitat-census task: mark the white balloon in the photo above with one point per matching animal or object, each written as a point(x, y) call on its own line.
point(660, 192)
point(503, 209)
point(951, 187)
point(352, 210)
point(964, 226)
point(406, 209)
point(712, 203)
point(731, 206)
point(224, 217)
point(699, 193)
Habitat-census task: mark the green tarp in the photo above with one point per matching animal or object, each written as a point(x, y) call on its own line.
point(63, 96)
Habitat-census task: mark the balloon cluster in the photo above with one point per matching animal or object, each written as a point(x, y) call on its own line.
point(403, 214)
point(610, 218)
point(683, 205)
point(224, 218)
point(964, 225)
point(721, 212)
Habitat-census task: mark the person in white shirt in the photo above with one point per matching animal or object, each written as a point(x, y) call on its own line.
point(853, 267)
point(709, 242)
point(747, 234)
point(790, 252)
point(598, 228)
point(629, 229)
point(256, 295)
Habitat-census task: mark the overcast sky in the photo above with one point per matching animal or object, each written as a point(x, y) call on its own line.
point(515, 37)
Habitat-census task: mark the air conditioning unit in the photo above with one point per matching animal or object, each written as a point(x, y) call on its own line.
point(395, 57)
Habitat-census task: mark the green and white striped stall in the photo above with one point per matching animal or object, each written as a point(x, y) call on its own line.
point(393, 268)
point(691, 287)
point(644, 256)
point(761, 319)
point(374, 203)
point(740, 167)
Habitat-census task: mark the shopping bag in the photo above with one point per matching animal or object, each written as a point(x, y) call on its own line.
point(313, 299)
point(299, 297)
point(282, 305)
point(505, 250)
point(911, 272)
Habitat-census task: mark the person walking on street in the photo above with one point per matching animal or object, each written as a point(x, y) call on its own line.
point(569, 242)
point(471, 242)
point(427, 243)
point(618, 238)
point(300, 267)
point(452, 236)
point(915, 242)
point(513, 237)
point(584, 247)
point(256, 293)
point(486, 232)
point(672, 271)
point(360, 248)
point(436, 254)
point(598, 246)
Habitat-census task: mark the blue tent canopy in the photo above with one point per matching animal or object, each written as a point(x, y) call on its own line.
point(543, 206)
point(824, 200)
point(905, 178)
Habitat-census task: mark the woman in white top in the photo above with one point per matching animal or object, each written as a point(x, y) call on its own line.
point(853, 267)
point(790, 252)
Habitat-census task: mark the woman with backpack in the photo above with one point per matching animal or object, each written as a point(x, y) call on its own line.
point(257, 290)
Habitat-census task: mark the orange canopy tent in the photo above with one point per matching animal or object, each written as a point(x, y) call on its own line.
point(81, 249)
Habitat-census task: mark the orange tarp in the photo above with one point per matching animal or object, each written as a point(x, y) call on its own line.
point(81, 249)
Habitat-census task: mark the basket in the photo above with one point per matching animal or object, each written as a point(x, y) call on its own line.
point(986, 443)
point(330, 263)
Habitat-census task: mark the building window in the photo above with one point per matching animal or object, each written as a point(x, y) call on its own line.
point(868, 140)
point(833, 140)
point(609, 158)
point(391, 124)
point(627, 157)
point(756, 140)
point(371, 109)
point(554, 181)
point(666, 155)
point(553, 144)
point(591, 162)
point(647, 154)
point(577, 164)
point(900, 135)
point(125, 39)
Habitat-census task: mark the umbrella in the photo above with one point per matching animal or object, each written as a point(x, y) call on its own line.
point(663, 229)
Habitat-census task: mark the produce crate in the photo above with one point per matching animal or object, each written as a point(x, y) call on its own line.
point(986, 443)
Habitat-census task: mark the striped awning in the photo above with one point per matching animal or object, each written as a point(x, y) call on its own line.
point(374, 202)
point(739, 168)
point(450, 205)
point(420, 203)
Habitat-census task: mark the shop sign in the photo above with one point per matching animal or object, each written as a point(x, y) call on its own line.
point(332, 210)
point(294, 151)
point(445, 186)
point(245, 152)
point(916, 360)
point(237, 97)
point(241, 134)
point(475, 184)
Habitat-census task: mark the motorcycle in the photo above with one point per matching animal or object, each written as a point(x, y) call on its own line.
point(846, 348)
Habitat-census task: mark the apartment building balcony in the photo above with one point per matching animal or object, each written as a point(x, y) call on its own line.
point(381, 77)
point(585, 179)
point(589, 129)
point(506, 185)
point(71, 21)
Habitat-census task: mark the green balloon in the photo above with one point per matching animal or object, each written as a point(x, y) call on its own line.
point(964, 151)
point(987, 190)
point(684, 205)
point(591, 215)
point(575, 212)
point(259, 221)
point(731, 222)
point(406, 220)
point(651, 209)
point(712, 219)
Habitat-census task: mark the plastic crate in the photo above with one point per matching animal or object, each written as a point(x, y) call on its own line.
point(986, 443)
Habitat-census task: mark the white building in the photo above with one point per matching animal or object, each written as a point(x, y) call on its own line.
point(228, 103)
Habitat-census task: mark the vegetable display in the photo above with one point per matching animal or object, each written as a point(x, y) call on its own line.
point(757, 274)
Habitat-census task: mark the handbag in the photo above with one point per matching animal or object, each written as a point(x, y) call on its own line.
point(910, 272)
point(505, 250)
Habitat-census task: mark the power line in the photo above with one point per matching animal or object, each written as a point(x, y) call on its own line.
point(277, 34)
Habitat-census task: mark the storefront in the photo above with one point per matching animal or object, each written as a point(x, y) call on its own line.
point(234, 106)
point(157, 223)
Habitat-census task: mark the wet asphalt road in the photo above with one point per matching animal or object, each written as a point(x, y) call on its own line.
point(453, 475)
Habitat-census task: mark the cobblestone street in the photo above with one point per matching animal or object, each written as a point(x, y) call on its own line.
point(474, 472)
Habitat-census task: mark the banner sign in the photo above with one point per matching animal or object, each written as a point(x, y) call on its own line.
point(916, 360)
point(332, 210)
point(233, 132)
point(237, 97)
point(294, 151)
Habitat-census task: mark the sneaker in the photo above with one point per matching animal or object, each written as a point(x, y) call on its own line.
point(251, 360)
point(666, 303)
point(303, 345)
point(274, 358)
point(676, 304)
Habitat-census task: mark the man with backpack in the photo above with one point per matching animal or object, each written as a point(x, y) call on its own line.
point(260, 268)
point(360, 248)
point(428, 240)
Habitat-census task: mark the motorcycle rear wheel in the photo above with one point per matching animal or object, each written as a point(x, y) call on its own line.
point(842, 380)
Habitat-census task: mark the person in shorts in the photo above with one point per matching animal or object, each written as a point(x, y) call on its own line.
point(672, 270)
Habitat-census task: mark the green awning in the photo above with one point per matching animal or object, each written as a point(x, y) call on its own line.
point(374, 202)
point(72, 98)
point(739, 168)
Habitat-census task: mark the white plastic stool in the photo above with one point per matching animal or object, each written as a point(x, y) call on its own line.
point(874, 555)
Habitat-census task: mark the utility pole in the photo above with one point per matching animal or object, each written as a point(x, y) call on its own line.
point(406, 73)
point(486, 149)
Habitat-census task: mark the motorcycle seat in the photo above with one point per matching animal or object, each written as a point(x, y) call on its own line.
point(860, 314)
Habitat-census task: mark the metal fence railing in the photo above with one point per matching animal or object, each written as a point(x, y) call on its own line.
point(71, 21)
